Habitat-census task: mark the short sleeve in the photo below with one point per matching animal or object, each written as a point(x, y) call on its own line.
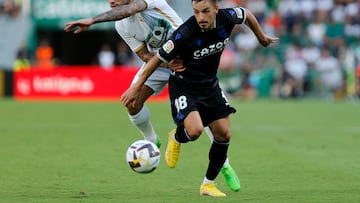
point(151, 3)
point(237, 14)
point(171, 47)
point(133, 43)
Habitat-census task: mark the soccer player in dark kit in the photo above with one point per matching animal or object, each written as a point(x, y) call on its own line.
point(196, 97)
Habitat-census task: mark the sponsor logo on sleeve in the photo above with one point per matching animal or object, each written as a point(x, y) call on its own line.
point(168, 46)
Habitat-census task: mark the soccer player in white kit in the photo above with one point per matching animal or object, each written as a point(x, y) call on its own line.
point(145, 32)
point(145, 25)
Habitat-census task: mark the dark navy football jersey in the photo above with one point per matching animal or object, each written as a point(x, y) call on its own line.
point(201, 50)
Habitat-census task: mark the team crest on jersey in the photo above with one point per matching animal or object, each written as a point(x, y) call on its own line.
point(168, 46)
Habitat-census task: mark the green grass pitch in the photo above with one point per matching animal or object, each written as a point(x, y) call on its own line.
point(283, 151)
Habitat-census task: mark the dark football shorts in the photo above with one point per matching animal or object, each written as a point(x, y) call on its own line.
point(210, 102)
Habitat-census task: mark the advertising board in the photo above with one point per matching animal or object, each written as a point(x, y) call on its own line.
point(75, 83)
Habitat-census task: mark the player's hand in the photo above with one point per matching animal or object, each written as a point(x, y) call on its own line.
point(79, 25)
point(267, 40)
point(129, 97)
point(177, 65)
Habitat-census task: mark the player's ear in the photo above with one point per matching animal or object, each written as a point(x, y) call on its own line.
point(217, 8)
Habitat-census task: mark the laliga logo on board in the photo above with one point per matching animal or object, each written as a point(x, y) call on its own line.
point(62, 84)
point(54, 84)
point(23, 86)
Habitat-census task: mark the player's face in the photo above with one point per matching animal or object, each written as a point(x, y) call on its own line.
point(205, 13)
point(115, 3)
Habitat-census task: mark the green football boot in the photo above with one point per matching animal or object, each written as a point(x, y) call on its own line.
point(231, 179)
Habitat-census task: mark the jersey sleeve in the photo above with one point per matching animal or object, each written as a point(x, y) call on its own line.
point(171, 47)
point(238, 15)
point(133, 43)
point(152, 3)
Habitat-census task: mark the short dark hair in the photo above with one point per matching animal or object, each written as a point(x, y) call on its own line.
point(214, 2)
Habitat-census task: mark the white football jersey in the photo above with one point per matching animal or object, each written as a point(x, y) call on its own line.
point(150, 27)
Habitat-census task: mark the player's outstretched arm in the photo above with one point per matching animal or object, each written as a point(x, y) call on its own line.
point(130, 96)
point(117, 12)
point(254, 25)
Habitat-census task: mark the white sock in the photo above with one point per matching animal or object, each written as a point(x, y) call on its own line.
point(226, 163)
point(206, 181)
point(209, 133)
point(142, 121)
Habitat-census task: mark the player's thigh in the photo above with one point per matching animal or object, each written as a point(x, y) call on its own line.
point(193, 124)
point(221, 129)
point(185, 112)
point(183, 107)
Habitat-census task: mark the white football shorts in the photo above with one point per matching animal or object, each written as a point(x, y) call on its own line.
point(157, 80)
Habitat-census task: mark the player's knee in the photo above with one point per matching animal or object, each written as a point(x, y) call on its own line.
point(223, 136)
point(227, 136)
point(194, 132)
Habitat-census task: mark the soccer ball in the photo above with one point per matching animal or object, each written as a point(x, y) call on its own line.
point(143, 156)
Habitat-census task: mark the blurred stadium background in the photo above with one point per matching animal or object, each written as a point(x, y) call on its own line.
point(283, 150)
point(317, 56)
